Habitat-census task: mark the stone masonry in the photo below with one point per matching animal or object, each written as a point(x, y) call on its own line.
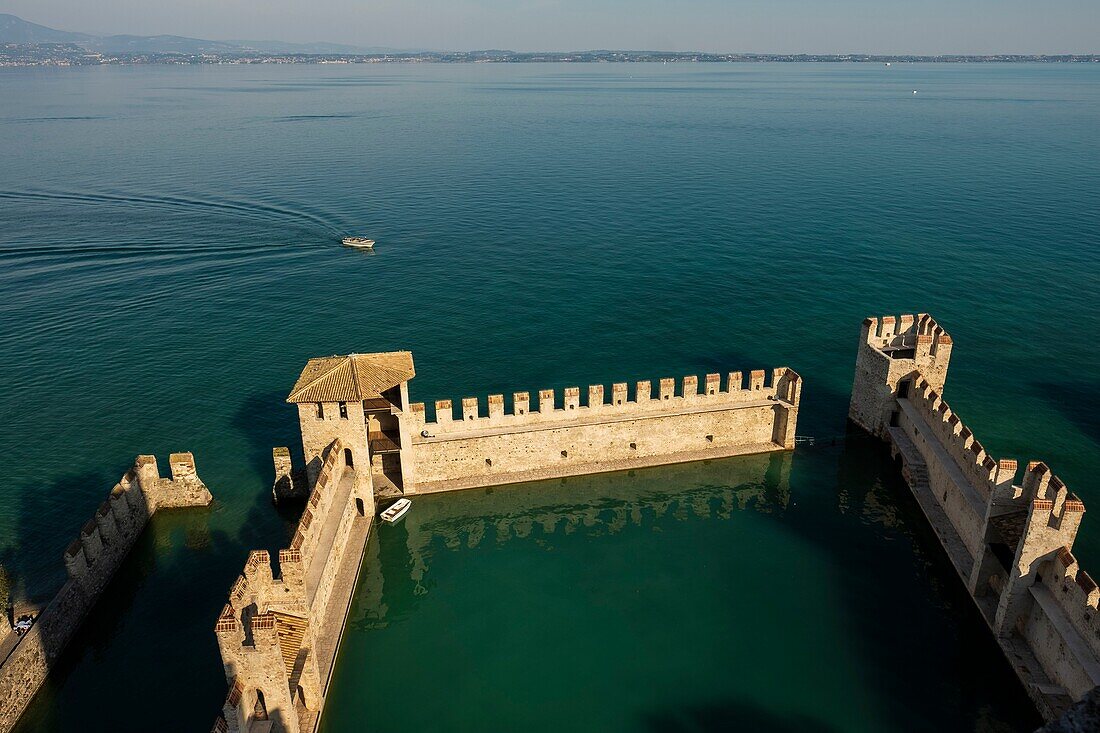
point(1009, 534)
point(91, 560)
point(364, 442)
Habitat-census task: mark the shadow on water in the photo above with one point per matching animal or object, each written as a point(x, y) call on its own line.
point(915, 573)
point(155, 617)
point(1083, 410)
point(32, 558)
point(736, 717)
point(266, 421)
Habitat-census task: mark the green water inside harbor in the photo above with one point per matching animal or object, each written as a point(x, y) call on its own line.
point(709, 596)
point(170, 261)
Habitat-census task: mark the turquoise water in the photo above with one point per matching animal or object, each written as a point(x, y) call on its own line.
point(168, 240)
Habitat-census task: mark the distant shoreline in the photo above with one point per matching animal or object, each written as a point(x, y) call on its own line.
point(48, 54)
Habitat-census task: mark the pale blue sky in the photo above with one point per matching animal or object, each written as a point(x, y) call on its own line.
point(892, 26)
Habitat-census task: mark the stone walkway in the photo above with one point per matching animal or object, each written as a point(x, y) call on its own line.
point(327, 536)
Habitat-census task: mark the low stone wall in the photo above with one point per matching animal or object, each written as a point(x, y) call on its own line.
point(523, 445)
point(91, 561)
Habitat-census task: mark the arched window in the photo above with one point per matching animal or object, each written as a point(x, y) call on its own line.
point(260, 711)
point(348, 460)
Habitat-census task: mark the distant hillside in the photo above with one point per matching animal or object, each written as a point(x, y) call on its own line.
point(16, 30)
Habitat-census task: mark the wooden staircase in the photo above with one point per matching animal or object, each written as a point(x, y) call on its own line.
point(290, 631)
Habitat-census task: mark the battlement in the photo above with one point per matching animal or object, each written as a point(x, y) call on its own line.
point(893, 352)
point(91, 560)
point(1009, 533)
point(265, 632)
point(896, 336)
point(183, 489)
point(1077, 597)
point(784, 385)
point(1060, 509)
point(984, 472)
point(118, 520)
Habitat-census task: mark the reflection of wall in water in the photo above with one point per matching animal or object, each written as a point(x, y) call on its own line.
point(863, 469)
point(597, 504)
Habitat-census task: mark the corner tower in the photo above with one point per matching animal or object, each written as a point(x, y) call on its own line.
point(362, 400)
point(892, 352)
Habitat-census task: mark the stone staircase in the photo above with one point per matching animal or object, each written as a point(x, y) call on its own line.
point(914, 469)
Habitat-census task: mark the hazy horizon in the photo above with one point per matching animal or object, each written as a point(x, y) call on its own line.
point(744, 26)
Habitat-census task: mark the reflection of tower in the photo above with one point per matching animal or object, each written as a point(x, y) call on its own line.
point(369, 609)
point(864, 475)
point(778, 479)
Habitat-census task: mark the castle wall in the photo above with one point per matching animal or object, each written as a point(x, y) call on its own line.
point(1041, 608)
point(959, 472)
point(311, 582)
point(1062, 626)
point(316, 573)
point(91, 562)
point(605, 434)
point(318, 433)
point(891, 350)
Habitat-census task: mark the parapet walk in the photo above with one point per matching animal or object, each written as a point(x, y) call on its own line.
point(1010, 542)
point(363, 440)
point(90, 561)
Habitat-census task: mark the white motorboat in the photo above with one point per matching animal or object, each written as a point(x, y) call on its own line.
point(360, 242)
point(396, 510)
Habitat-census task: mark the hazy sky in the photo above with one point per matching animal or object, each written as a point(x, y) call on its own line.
point(919, 26)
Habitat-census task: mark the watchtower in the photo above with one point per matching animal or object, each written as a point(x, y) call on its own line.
point(892, 352)
point(362, 400)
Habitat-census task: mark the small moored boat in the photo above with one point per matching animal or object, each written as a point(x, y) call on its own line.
point(361, 242)
point(396, 510)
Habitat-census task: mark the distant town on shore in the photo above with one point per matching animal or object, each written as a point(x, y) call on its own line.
point(57, 54)
point(23, 43)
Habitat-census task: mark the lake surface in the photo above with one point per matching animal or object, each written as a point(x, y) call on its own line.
point(170, 261)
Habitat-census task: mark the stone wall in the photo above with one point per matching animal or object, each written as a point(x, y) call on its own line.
point(609, 432)
point(892, 350)
point(91, 561)
point(304, 600)
point(275, 616)
point(348, 426)
point(1010, 542)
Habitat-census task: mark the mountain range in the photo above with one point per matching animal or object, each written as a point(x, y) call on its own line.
point(16, 30)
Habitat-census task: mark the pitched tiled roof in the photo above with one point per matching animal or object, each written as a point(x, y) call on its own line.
point(351, 378)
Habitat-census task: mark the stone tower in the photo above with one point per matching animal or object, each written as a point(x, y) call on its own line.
point(362, 400)
point(892, 352)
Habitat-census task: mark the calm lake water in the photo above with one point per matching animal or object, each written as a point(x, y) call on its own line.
point(170, 260)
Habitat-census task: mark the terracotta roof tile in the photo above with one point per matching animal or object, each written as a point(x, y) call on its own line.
point(351, 378)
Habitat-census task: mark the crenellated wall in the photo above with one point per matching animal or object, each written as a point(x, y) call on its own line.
point(608, 432)
point(276, 633)
point(1011, 542)
point(91, 561)
point(374, 440)
point(892, 351)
